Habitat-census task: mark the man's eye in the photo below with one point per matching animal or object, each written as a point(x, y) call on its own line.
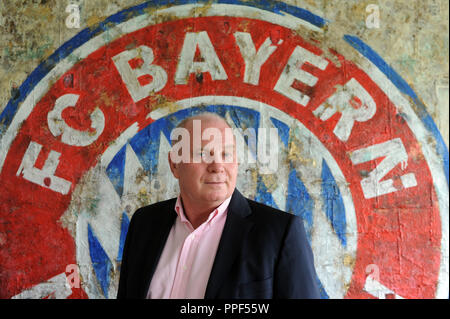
point(228, 156)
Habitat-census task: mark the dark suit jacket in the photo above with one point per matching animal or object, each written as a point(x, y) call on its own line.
point(263, 253)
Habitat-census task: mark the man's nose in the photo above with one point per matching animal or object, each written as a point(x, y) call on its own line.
point(216, 166)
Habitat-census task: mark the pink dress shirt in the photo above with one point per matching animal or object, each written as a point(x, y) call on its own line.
point(187, 258)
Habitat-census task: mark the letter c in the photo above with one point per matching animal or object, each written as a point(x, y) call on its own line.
point(69, 135)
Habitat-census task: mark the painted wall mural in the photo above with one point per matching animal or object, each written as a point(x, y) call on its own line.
point(84, 143)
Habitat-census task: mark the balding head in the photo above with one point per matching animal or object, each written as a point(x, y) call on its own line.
point(203, 159)
point(195, 125)
point(204, 116)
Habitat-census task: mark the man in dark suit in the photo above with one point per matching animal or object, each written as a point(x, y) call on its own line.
point(212, 242)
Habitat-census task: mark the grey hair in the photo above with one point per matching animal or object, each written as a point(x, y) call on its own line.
point(201, 115)
point(207, 115)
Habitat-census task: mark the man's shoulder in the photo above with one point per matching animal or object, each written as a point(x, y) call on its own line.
point(269, 214)
point(154, 210)
point(272, 224)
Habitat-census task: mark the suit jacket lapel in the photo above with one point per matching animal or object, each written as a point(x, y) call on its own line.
point(234, 231)
point(156, 239)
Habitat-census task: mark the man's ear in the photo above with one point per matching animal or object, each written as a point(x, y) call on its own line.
point(173, 166)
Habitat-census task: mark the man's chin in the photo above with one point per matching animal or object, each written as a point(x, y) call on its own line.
point(216, 197)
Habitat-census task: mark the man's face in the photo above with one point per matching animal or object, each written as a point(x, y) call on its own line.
point(209, 177)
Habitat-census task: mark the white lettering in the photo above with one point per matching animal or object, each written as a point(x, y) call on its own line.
point(130, 76)
point(70, 135)
point(197, 140)
point(269, 160)
point(193, 309)
point(394, 153)
point(250, 134)
point(293, 72)
point(212, 150)
point(181, 150)
point(210, 63)
point(44, 177)
point(355, 104)
point(373, 19)
point(73, 279)
point(376, 289)
point(73, 19)
point(253, 60)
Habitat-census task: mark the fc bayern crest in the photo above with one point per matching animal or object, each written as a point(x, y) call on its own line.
point(85, 143)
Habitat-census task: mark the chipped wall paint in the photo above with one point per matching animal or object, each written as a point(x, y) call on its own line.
point(84, 138)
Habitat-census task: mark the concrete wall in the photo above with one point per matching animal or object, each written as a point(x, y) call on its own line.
point(63, 217)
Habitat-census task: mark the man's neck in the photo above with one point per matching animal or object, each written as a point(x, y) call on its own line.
point(197, 214)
